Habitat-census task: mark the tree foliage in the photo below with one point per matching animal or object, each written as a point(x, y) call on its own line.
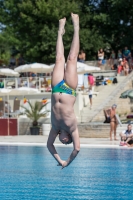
point(117, 26)
point(34, 23)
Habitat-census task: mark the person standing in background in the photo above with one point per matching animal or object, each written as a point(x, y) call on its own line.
point(127, 54)
point(12, 62)
point(112, 58)
point(91, 80)
point(100, 57)
point(81, 56)
point(119, 67)
point(20, 60)
point(125, 66)
point(111, 116)
point(119, 56)
point(90, 96)
point(1, 83)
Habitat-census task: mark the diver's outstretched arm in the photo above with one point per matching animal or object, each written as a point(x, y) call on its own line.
point(52, 136)
point(76, 145)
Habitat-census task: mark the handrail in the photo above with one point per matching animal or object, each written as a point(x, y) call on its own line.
point(114, 93)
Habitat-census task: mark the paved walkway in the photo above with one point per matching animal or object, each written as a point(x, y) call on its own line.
point(41, 140)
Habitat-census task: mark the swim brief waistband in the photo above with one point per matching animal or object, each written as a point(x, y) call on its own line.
point(62, 87)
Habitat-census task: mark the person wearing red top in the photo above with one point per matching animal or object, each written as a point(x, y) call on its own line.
point(125, 66)
point(120, 67)
point(91, 80)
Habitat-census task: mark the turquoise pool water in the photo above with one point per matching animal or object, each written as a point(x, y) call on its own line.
point(30, 173)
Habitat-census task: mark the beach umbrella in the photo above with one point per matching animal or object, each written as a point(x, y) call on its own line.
point(40, 68)
point(82, 65)
point(8, 72)
point(125, 94)
point(21, 68)
point(35, 67)
point(4, 91)
point(83, 68)
point(23, 91)
point(130, 94)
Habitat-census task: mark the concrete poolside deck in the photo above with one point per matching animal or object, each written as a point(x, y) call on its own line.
point(42, 140)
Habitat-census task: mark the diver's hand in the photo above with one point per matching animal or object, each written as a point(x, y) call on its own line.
point(64, 164)
point(61, 162)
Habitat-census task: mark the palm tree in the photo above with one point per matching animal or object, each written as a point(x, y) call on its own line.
point(35, 112)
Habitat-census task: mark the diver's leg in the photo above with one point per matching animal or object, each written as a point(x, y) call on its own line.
point(58, 72)
point(71, 77)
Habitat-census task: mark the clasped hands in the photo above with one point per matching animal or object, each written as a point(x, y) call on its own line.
point(63, 164)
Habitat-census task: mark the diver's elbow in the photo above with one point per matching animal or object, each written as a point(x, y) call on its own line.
point(77, 149)
point(48, 145)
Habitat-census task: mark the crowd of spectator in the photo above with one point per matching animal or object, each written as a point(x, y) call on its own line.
point(14, 62)
point(122, 61)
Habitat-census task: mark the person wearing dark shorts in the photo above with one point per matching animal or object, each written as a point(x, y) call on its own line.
point(127, 136)
point(130, 143)
point(90, 96)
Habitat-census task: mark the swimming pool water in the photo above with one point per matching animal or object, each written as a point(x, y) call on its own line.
point(31, 173)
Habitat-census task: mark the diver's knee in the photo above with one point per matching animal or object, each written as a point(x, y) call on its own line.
point(59, 58)
point(72, 57)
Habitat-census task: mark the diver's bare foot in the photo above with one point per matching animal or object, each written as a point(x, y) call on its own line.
point(75, 20)
point(61, 25)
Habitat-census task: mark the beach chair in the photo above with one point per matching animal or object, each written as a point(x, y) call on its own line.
point(49, 82)
point(39, 103)
point(16, 105)
point(10, 84)
point(1, 108)
point(16, 108)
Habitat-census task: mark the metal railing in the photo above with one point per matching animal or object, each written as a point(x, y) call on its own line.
point(41, 83)
point(112, 95)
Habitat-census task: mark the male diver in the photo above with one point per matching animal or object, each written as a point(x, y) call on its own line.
point(64, 83)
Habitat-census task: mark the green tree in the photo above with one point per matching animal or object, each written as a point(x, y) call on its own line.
point(35, 23)
point(117, 29)
point(90, 20)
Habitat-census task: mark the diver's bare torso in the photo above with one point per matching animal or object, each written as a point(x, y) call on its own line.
point(62, 112)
